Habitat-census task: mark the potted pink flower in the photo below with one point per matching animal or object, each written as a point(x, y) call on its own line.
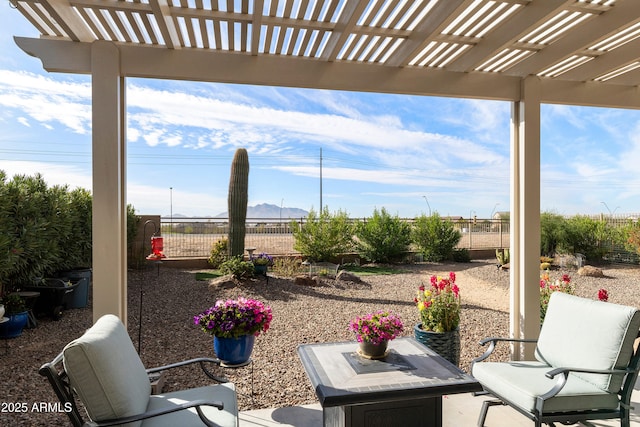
point(375, 330)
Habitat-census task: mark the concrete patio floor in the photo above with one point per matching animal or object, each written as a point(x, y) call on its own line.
point(459, 410)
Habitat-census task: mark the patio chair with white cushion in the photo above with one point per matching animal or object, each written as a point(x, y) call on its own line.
point(585, 368)
point(104, 371)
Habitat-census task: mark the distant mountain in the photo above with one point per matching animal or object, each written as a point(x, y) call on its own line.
point(263, 210)
point(266, 210)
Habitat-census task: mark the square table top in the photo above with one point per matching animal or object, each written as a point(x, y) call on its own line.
point(340, 376)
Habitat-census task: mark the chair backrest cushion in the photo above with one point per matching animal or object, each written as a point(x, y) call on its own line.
point(106, 372)
point(584, 333)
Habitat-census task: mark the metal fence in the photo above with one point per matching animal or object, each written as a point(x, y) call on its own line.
point(194, 237)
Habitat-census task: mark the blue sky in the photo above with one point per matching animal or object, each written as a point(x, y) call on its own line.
point(378, 150)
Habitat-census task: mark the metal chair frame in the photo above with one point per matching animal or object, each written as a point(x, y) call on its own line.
point(55, 373)
point(562, 374)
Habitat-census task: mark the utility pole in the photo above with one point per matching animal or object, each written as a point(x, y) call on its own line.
point(320, 181)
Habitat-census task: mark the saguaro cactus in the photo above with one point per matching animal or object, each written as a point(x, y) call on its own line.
point(237, 201)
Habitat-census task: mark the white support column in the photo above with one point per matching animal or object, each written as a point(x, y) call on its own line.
point(525, 218)
point(109, 183)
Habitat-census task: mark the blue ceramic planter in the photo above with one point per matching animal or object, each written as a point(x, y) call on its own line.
point(234, 351)
point(260, 269)
point(13, 328)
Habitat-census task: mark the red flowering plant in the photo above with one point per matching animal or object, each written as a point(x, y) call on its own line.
point(439, 304)
point(376, 327)
point(548, 286)
point(603, 295)
point(235, 318)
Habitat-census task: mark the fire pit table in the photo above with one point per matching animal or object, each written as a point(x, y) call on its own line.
point(403, 389)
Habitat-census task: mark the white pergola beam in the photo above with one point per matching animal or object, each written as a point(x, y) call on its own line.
point(348, 19)
point(440, 15)
point(584, 36)
point(242, 68)
point(499, 40)
point(605, 63)
point(525, 218)
point(109, 221)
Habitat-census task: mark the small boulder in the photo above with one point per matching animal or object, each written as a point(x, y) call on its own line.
point(224, 282)
point(306, 281)
point(590, 271)
point(345, 276)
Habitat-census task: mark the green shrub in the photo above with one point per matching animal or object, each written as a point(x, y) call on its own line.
point(219, 253)
point(34, 220)
point(435, 237)
point(551, 233)
point(630, 236)
point(45, 229)
point(323, 237)
point(237, 267)
point(79, 239)
point(461, 255)
point(586, 236)
point(382, 238)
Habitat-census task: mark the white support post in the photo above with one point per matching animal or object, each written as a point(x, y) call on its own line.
point(525, 218)
point(109, 183)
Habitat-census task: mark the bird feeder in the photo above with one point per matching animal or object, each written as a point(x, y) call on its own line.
point(157, 247)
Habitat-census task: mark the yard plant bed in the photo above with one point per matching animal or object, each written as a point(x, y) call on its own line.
point(301, 315)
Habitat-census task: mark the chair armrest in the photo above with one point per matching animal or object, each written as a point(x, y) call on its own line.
point(492, 346)
point(200, 360)
point(566, 371)
point(163, 411)
point(562, 379)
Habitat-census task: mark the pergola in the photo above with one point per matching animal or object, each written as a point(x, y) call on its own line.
point(528, 52)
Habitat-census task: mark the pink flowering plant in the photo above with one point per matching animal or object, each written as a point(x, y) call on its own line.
point(549, 286)
point(439, 304)
point(376, 327)
point(235, 318)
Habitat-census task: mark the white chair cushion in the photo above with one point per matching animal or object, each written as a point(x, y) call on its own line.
point(106, 372)
point(584, 333)
point(520, 383)
point(221, 392)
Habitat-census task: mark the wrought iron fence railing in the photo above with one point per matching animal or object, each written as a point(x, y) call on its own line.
point(194, 237)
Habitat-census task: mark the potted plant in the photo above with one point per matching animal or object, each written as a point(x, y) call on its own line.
point(261, 263)
point(439, 308)
point(234, 325)
point(374, 331)
point(16, 311)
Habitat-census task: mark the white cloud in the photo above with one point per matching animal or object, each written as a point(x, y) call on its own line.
point(53, 174)
point(46, 100)
point(163, 117)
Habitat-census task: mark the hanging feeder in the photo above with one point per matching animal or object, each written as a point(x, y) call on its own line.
point(157, 247)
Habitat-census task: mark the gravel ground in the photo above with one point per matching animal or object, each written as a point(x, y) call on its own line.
point(302, 314)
